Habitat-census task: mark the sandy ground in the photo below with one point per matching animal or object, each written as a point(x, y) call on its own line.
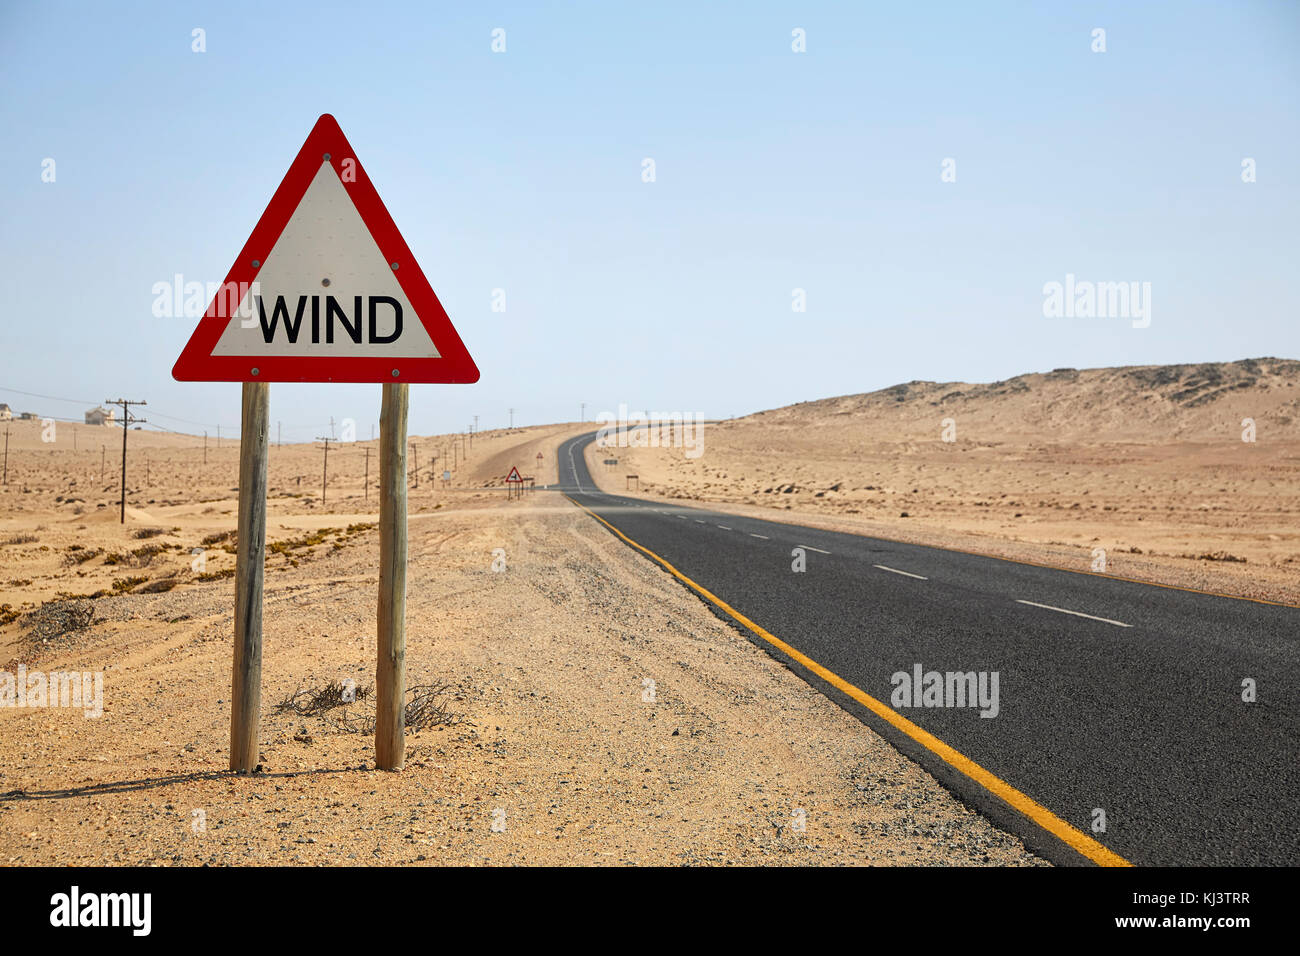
point(60, 530)
point(598, 712)
point(1146, 465)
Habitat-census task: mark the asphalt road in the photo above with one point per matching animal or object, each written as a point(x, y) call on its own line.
point(1112, 695)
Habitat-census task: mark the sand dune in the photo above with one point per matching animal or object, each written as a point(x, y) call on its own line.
point(1145, 463)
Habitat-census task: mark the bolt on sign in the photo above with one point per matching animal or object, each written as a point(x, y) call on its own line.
point(324, 290)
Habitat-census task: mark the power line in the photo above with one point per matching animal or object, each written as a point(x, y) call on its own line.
point(52, 398)
point(86, 401)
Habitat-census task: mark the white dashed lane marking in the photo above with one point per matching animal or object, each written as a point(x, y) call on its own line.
point(1063, 610)
point(907, 574)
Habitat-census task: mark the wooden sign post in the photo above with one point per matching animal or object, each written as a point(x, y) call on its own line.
point(326, 237)
point(390, 676)
point(250, 565)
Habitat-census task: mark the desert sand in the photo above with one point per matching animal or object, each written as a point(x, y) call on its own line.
point(591, 709)
point(1144, 467)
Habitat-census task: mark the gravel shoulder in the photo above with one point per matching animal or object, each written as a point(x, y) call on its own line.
point(603, 715)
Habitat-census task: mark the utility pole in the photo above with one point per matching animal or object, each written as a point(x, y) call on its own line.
point(146, 469)
point(365, 486)
point(454, 459)
point(325, 475)
point(279, 434)
point(512, 418)
point(74, 437)
point(471, 434)
point(126, 427)
point(462, 445)
point(205, 448)
point(103, 451)
point(415, 457)
point(6, 479)
point(584, 412)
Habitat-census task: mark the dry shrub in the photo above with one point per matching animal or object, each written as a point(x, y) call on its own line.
point(215, 575)
point(307, 702)
point(161, 585)
point(426, 706)
point(80, 555)
point(57, 619)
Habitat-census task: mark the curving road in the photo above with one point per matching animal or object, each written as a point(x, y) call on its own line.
point(1112, 696)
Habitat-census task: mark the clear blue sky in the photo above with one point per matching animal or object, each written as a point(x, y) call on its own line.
point(775, 171)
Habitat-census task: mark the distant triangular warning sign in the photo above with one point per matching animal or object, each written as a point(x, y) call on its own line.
point(325, 289)
point(514, 475)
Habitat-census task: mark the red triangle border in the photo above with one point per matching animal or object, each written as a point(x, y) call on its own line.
point(454, 364)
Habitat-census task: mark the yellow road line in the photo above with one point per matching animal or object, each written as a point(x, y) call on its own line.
point(1039, 814)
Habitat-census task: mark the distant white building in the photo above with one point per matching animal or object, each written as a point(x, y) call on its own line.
point(99, 416)
point(6, 413)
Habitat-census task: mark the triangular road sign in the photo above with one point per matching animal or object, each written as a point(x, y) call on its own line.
point(325, 289)
point(514, 475)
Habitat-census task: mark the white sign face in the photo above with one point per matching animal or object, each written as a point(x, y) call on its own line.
point(325, 290)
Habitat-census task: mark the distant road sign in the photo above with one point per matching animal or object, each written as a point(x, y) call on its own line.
point(325, 289)
point(611, 461)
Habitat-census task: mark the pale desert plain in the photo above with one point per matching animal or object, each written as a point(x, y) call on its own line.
point(590, 709)
point(1182, 475)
